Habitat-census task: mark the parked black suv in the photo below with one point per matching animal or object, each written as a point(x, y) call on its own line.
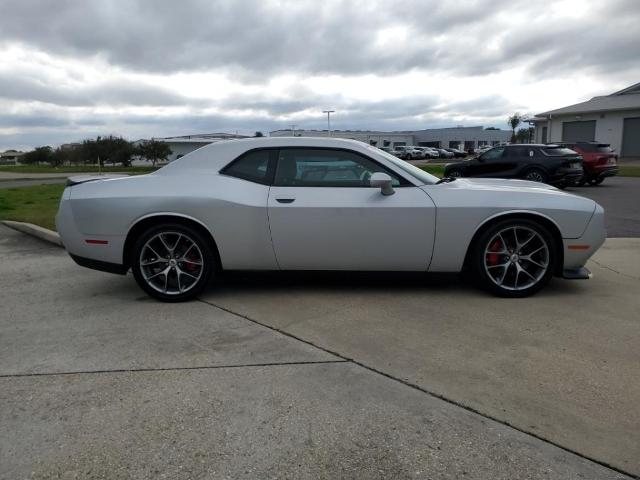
point(552, 164)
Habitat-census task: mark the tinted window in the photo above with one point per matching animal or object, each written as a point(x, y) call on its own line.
point(252, 166)
point(302, 167)
point(492, 154)
point(518, 151)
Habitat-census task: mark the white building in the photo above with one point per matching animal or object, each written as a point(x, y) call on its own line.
point(11, 157)
point(455, 137)
point(612, 119)
point(184, 144)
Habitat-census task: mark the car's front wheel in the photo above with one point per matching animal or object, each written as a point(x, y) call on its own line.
point(172, 262)
point(454, 173)
point(514, 258)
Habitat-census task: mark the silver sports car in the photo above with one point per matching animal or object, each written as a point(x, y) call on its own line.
point(322, 204)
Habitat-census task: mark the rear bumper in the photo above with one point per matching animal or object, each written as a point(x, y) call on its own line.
point(567, 176)
point(604, 172)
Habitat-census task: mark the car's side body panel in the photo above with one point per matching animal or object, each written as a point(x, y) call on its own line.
point(234, 211)
point(465, 205)
point(351, 228)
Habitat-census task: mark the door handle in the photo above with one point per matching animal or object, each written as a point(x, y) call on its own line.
point(285, 200)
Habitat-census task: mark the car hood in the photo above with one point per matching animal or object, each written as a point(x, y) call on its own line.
point(507, 184)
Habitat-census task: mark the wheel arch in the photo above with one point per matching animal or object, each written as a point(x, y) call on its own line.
point(148, 221)
point(544, 220)
point(534, 166)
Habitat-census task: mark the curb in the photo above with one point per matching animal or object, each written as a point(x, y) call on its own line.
point(35, 231)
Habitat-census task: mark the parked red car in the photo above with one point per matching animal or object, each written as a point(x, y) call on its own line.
point(599, 161)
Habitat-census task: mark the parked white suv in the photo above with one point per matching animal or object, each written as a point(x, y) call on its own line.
point(409, 152)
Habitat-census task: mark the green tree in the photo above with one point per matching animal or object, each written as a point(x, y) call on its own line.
point(524, 135)
point(154, 150)
point(37, 156)
point(258, 134)
point(513, 121)
point(58, 157)
point(109, 149)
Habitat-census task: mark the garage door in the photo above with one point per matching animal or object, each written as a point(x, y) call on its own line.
point(579, 131)
point(631, 138)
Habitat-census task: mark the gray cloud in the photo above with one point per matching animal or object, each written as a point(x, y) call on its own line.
point(23, 87)
point(251, 41)
point(257, 38)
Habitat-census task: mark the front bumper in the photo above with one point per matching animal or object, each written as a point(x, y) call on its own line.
point(576, 273)
point(577, 251)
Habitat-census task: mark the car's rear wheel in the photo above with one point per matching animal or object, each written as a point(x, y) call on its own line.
point(596, 181)
point(172, 262)
point(514, 258)
point(454, 173)
point(536, 175)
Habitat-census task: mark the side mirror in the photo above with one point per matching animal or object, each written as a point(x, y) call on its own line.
point(383, 181)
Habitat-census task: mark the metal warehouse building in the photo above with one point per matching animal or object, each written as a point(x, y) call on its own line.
point(612, 119)
point(182, 145)
point(455, 137)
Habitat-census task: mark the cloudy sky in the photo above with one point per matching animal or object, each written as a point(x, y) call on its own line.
point(142, 68)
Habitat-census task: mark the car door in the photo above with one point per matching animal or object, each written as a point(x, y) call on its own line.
point(324, 215)
point(489, 164)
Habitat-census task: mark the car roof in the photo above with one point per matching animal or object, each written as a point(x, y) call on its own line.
point(218, 154)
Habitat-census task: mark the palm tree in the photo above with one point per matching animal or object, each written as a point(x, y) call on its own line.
point(513, 121)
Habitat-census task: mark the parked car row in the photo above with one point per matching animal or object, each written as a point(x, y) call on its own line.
point(412, 152)
point(558, 164)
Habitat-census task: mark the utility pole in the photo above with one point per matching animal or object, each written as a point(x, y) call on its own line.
point(328, 112)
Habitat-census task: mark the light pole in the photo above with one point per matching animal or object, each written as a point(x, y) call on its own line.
point(328, 112)
point(293, 130)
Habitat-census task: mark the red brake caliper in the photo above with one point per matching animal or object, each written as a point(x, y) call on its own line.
point(191, 267)
point(493, 258)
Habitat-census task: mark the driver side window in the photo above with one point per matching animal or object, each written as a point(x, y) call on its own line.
point(493, 154)
point(318, 167)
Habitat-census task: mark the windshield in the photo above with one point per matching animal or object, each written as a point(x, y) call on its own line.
point(412, 170)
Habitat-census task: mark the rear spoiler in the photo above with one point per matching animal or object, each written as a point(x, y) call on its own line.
point(92, 178)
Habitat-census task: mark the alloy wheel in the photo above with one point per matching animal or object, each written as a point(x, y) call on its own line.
point(516, 258)
point(171, 262)
point(534, 176)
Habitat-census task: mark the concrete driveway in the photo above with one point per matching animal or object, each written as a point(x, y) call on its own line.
point(314, 377)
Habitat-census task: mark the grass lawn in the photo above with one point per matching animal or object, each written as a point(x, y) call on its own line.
point(436, 170)
point(629, 170)
point(74, 169)
point(37, 204)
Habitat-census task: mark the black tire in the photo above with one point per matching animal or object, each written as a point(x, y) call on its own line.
point(536, 175)
point(596, 181)
point(454, 173)
point(562, 185)
point(180, 275)
point(481, 259)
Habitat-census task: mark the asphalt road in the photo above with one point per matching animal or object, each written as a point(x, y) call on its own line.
point(620, 197)
point(330, 377)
